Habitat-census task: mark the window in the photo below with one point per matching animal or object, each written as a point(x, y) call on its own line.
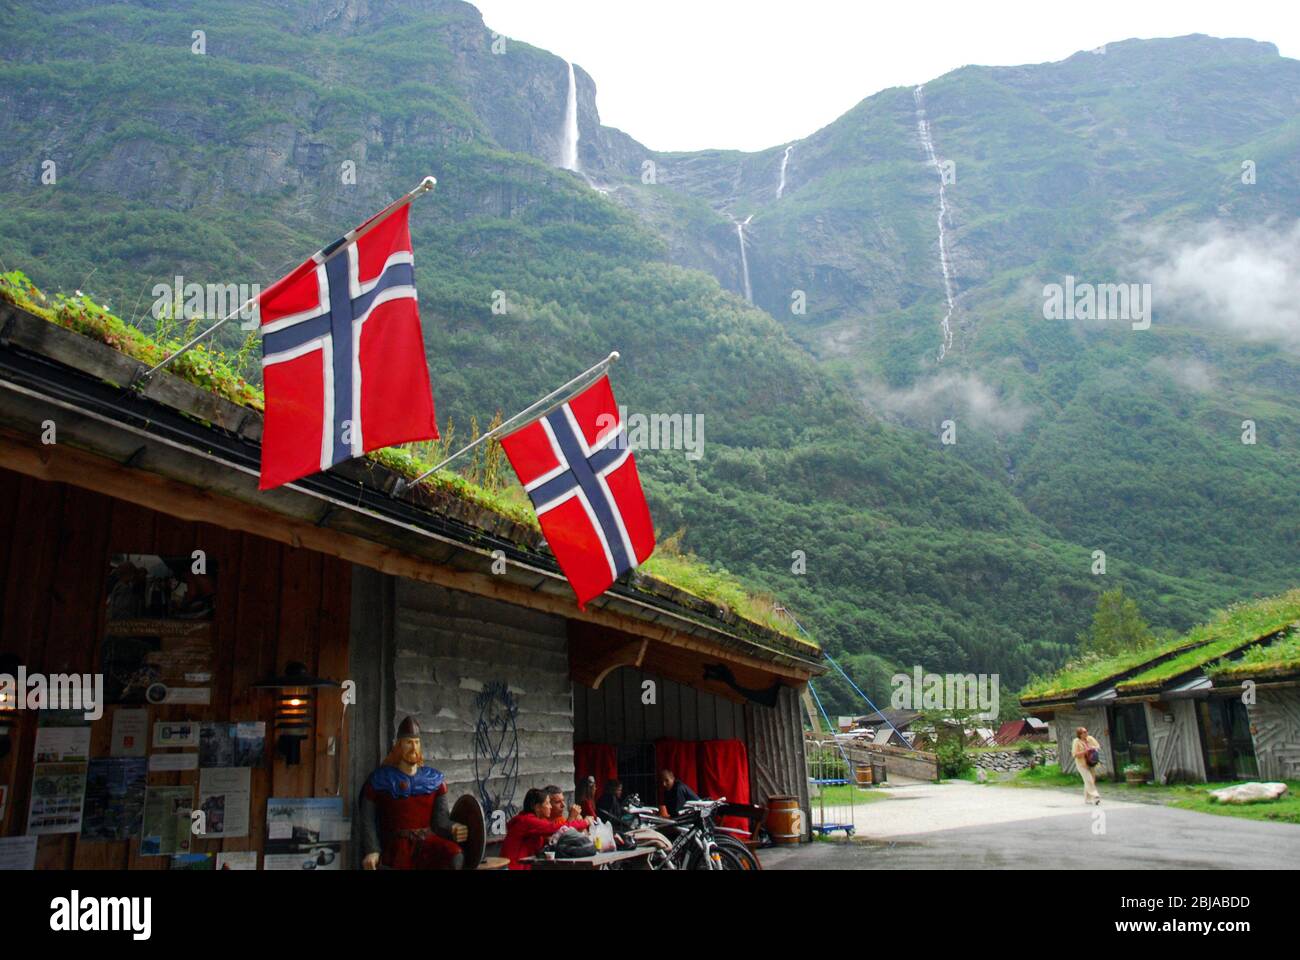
point(1226, 740)
point(1129, 740)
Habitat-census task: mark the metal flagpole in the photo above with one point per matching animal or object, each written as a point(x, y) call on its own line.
point(531, 410)
point(323, 255)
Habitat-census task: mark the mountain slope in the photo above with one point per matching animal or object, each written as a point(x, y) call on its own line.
point(229, 166)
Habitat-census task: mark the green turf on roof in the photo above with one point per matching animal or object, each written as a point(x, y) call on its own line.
point(1279, 658)
point(211, 369)
point(1228, 631)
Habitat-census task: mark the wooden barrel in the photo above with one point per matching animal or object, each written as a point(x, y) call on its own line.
point(862, 774)
point(784, 819)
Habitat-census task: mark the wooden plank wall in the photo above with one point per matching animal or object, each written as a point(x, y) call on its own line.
point(777, 765)
point(1275, 720)
point(274, 604)
point(615, 713)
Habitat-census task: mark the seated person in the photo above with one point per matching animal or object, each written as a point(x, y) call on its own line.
point(675, 793)
point(610, 805)
point(585, 796)
point(529, 830)
point(561, 813)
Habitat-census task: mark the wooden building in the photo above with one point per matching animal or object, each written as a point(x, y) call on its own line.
point(416, 602)
point(1198, 711)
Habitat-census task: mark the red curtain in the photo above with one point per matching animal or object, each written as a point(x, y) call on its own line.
point(599, 760)
point(679, 756)
point(724, 772)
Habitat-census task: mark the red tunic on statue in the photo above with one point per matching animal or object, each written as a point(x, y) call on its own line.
point(404, 806)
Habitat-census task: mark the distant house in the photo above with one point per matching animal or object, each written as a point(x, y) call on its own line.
point(1221, 703)
point(1026, 728)
point(900, 720)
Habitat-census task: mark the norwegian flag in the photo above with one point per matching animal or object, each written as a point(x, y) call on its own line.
point(342, 355)
point(577, 468)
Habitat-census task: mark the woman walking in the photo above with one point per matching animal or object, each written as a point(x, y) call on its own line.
point(1087, 756)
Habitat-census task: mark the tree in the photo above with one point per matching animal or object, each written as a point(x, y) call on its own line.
point(1117, 626)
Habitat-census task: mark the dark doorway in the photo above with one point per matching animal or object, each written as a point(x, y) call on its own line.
point(636, 769)
point(1226, 740)
point(1129, 739)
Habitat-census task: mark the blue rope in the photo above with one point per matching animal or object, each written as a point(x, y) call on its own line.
point(855, 687)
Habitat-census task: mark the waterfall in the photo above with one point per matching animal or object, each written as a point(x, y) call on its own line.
point(927, 144)
point(744, 259)
point(785, 162)
point(570, 160)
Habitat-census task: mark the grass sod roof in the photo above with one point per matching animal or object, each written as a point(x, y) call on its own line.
point(1231, 629)
point(215, 371)
point(1281, 658)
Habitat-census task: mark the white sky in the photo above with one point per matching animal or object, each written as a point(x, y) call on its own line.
point(749, 74)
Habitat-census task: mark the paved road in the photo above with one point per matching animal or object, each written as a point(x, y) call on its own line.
point(969, 826)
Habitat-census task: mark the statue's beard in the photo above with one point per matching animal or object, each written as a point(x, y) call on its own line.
point(406, 754)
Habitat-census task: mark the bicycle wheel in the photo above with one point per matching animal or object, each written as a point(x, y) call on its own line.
point(737, 856)
point(695, 860)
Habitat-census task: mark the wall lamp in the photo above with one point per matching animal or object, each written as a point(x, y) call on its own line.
point(8, 702)
point(295, 695)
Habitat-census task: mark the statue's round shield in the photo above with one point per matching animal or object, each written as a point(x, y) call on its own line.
point(469, 811)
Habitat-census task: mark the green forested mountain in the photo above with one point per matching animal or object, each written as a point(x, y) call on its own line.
point(821, 427)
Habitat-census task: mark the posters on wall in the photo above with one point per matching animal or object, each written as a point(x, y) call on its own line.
point(17, 853)
point(130, 732)
point(224, 797)
point(305, 833)
point(193, 861)
point(58, 791)
point(232, 744)
point(158, 637)
point(237, 860)
point(115, 796)
point(176, 733)
point(63, 736)
point(173, 762)
point(167, 821)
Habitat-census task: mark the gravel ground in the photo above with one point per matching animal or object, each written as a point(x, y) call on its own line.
point(961, 825)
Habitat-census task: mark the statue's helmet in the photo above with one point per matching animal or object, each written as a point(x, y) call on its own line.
point(408, 728)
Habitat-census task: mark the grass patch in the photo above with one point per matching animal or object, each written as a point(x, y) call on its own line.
point(1280, 656)
point(216, 371)
point(1188, 796)
point(1227, 631)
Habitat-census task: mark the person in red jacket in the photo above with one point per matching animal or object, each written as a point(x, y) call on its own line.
point(585, 797)
point(528, 830)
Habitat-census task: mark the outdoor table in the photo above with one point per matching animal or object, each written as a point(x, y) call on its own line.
point(637, 858)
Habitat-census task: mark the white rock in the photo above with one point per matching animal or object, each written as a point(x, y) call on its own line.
point(1249, 792)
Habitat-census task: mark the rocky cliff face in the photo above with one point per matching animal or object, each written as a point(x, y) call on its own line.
point(301, 118)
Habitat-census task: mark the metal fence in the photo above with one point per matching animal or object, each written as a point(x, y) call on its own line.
point(833, 791)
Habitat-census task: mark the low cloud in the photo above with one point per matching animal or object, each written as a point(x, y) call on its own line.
point(1242, 280)
point(964, 396)
point(1191, 374)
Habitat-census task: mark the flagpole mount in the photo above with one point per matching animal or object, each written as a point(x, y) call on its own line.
point(424, 186)
point(535, 410)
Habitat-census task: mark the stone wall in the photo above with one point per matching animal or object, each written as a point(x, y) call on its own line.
point(487, 681)
point(1003, 761)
